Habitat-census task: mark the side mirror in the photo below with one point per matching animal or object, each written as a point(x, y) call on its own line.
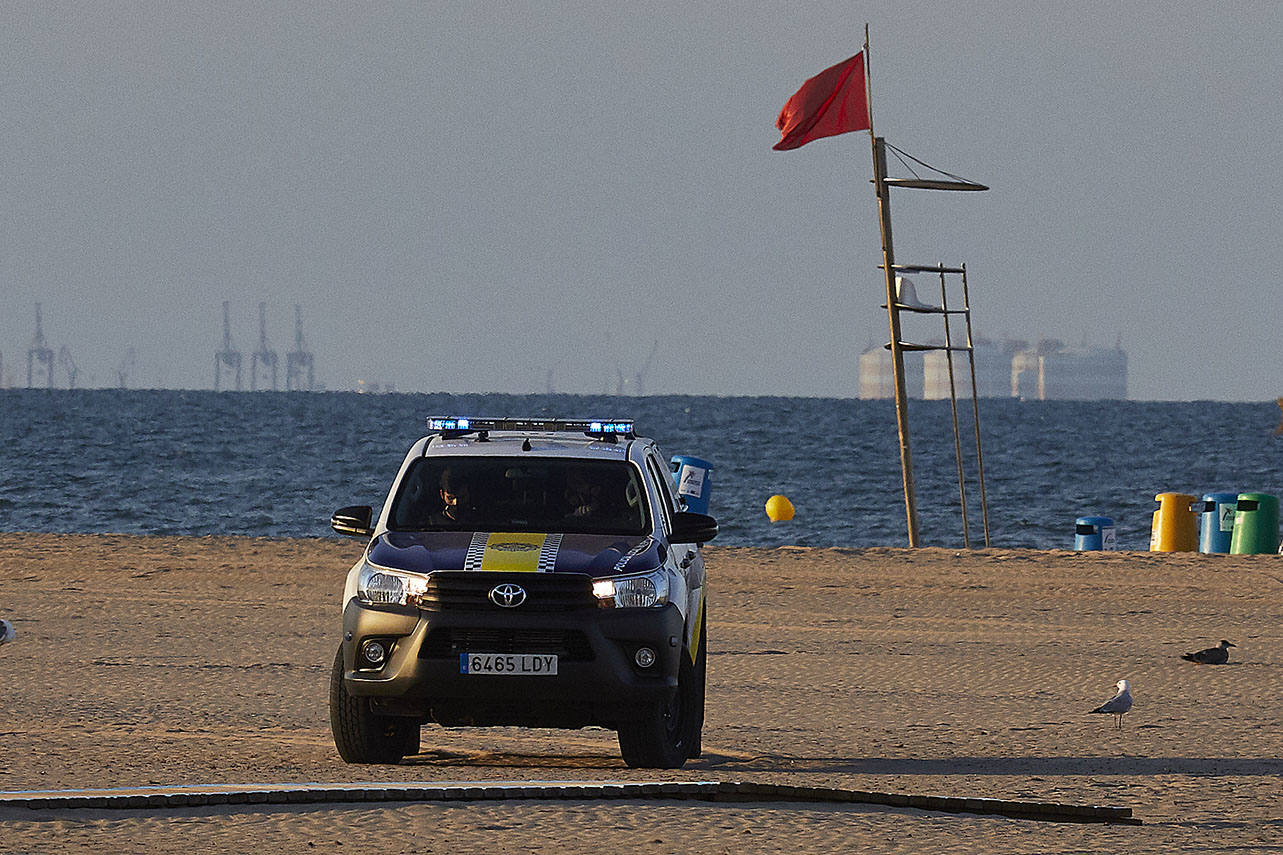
point(690, 527)
point(354, 521)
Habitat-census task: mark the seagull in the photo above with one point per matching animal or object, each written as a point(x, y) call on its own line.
point(1212, 655)
point(1120, 703)
point(6, 632)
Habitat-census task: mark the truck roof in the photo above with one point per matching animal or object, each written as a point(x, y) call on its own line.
point(510, 437)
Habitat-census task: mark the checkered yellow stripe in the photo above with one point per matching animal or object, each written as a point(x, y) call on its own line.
point(503, 552)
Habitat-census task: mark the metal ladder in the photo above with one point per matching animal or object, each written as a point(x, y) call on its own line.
point(949, 349)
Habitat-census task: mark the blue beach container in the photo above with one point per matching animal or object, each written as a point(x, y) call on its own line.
point(1218, 522)
point(1094, 534)
point(693, 481)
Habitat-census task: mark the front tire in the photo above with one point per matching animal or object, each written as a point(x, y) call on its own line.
point(362, 735)
point(669, 733)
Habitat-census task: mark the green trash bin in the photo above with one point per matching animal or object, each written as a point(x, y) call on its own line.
point(1256, 525)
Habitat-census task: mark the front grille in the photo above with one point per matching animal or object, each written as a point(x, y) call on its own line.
point(470, 591)
point(568, 645)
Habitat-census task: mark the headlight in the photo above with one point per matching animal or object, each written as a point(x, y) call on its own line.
point(381, 586)
point(632, 592)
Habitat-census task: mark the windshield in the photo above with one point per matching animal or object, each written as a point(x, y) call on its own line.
point(521, 494)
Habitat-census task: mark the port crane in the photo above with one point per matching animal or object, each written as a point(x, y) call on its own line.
point(228, 356)
point(68, 365)
point(264, 355)
point(125, 369)
point(645, 369)
point(39, 353)
point(639, 378)
point(298, 360)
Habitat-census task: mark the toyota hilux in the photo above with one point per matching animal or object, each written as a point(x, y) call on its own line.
point(525, 572)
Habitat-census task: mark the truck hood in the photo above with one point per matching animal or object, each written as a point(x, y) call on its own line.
point(595, 555)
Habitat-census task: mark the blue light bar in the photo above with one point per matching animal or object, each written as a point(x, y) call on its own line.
point(622, 428)
point(597, 428)
point(447, 424)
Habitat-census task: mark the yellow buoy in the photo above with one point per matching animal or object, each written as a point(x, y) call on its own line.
point(779, 508)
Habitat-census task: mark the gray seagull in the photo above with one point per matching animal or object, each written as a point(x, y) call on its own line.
point(1120, 703)
point(1212, 655)
point(6, 632)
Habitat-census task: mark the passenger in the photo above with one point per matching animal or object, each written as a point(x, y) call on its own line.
point(583, 495)
point(600, 504)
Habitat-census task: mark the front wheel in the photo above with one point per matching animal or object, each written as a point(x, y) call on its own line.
point(670, 732)
point(360, 734)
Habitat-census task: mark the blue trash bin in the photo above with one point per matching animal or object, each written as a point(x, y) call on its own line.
point(1094, 534)
point(693, 481)
point(1218, 522)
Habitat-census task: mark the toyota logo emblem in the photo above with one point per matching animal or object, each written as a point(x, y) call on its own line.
point(508, 596)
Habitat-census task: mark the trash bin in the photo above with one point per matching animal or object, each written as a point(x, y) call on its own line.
point(1256, 524)
point(1175, 526)
point(1218, 522)
point(1094, 534)
point(693, 481)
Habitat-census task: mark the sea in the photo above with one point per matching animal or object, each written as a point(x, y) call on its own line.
point(277, 464)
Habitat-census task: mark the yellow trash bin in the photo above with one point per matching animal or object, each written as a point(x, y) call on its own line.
point(1175, 526)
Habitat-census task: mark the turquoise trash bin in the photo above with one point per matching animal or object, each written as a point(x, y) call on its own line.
point(694, 482)
point(1094, 534)
point(1218, 522)
point(1256, 524)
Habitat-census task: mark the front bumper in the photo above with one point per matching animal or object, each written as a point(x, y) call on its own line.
point(597, 681)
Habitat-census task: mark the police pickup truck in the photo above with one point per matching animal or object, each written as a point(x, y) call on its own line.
point(525, 572)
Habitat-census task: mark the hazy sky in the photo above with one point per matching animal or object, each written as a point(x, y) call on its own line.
point(468, 196)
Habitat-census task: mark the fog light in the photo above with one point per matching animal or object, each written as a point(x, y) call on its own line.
point(373, 652)
point(644, 657)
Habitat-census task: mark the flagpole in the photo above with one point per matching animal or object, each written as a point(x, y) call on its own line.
point(893, 316)
point(868, 79)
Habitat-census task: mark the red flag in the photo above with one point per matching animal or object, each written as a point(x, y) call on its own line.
point(830, 103)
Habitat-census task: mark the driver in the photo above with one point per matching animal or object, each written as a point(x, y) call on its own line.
point(457, 499)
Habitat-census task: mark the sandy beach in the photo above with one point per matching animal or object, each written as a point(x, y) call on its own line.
point(143, 661)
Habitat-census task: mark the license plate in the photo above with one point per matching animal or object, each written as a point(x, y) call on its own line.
point(508, 664)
